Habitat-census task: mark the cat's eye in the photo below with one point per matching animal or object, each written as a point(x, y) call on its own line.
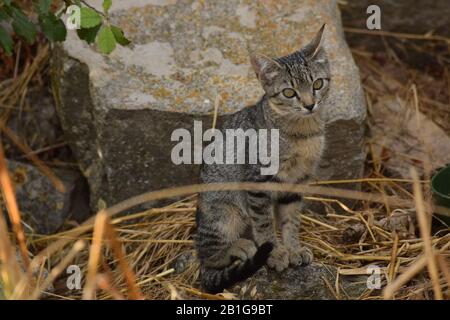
point(289, 93)
point(318, 84)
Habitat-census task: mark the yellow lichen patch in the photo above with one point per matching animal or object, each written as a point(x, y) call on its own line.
point(224, 96)
point(161, 92)
point(194, 94)
point(179, 100)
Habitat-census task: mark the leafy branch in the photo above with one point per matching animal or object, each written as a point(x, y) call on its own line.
point(94, 26)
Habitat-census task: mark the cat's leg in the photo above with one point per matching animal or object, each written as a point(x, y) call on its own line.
point(225, 256)
point(289, 206)
point(218, 237)
point(260, 209)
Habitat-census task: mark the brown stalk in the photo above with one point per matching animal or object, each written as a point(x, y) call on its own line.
point(104, 283)
point(393, 262)
point(28, 152)
point(216, 110)
point(130, 278)
point(424, 231)
point(397, 34)
point(13, 208)
point(94, 255)
point(10, 271)
point(187, 190)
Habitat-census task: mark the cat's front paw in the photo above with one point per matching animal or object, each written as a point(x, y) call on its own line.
point(302, 256)
point(279, 258)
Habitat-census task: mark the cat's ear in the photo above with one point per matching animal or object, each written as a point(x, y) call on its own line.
point(313, 48)
point(266, 68)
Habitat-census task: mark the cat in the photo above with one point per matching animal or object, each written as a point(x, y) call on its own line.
point(235, 230)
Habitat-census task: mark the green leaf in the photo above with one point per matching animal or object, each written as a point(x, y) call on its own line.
point(89, 18)
point(6, 41)
point(3, 15)
point(119, 36)
point(22, 26)
point(44, 6)
point(53, 28)
point(105, 40)
point(88, 34)
point(7, 2)
point(107, 5)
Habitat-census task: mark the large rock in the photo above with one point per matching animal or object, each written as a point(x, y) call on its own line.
point(119, 111)
point(316, 281)
point(42, 207)
point(313, 282)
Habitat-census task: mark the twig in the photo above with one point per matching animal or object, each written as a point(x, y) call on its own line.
point(9, 266)
point(362, 180)
point(104, 284)
point(320, 223)
point(94, 255)
point(130, 278)
point(159, 275)
point(216, 110)
point(392, 264)
point(57, 183)
point(397, 34)
point(45, 149)
point(424, 231)
point(93, 8)
point(13, 208)
point(187, 190)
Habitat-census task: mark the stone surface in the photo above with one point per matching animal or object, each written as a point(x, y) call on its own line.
point(42, 207)
point(300, 283)
point(119, 111)
point(311, 282)
point(38, 124)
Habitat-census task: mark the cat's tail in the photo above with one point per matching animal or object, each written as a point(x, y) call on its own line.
point(215, 280)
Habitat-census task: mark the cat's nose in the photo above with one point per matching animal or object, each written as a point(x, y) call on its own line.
point(310, 107)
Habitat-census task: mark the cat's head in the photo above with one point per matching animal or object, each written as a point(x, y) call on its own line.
point(295, 84)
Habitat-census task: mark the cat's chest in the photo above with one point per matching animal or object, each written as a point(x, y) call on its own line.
point(300, 158)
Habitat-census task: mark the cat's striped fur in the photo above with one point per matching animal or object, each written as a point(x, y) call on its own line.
point(236, 230)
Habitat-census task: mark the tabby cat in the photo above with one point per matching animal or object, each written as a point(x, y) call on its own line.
point(236, 231)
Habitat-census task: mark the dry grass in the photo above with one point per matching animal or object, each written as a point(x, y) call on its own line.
point(151, 241)
point(132, 256)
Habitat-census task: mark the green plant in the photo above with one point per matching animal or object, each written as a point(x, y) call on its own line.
point(94, 26)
